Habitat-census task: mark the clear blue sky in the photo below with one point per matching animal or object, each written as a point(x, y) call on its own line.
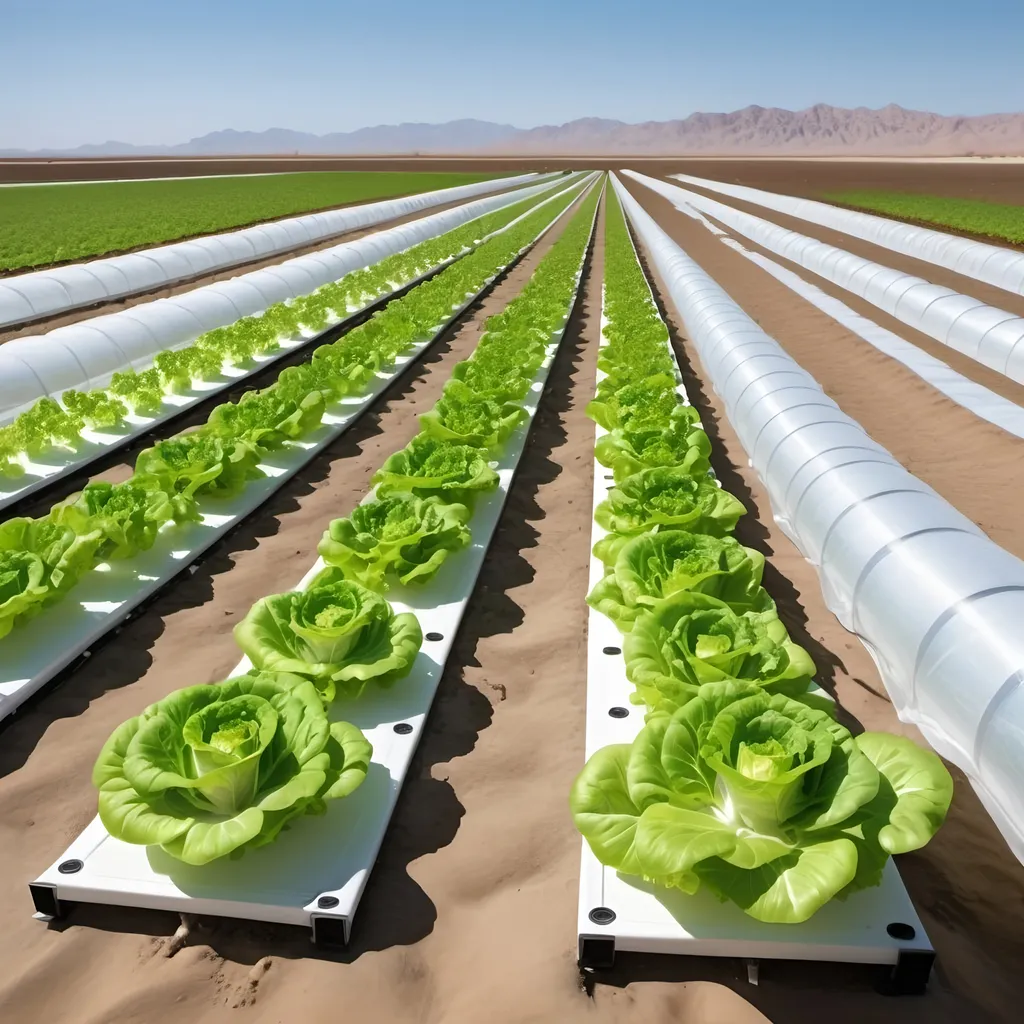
point(155, 71)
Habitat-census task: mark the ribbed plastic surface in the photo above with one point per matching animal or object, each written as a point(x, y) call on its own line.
point(936, 603)
point(993, 264)
point(42, 293)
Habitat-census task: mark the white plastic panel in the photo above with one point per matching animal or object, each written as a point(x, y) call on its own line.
point(146, 329)
point(899, 565)
point(992, 336)
point(48, 292)
point(993, 264)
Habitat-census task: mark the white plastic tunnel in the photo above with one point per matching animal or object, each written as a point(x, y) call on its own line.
point(87, 354)
point(30, 296)
point(993, 264)
point(993, 337)
point(937, 604)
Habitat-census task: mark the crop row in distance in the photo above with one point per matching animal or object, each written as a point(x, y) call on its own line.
point(1001, 221)
point(45, 224)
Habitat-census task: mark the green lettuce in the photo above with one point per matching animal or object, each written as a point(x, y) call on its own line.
point(401, 536)
point(653, 566)
point(336, 632)
point(646, 404)
point(682, 444)
point(689, 639)
point(266, 419)
point(127, 516)
point(464, 417)
point(767, 802)
point(668, 498)
point(95, 409)
point(210, 771)
point(196, 465)
point(39, 562)
point(427, 468)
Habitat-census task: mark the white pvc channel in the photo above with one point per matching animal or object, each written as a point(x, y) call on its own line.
point(937, 604)
point(37, 650)
point(992, 264)
point(991, 336)
point(41, 293)
point(655, 919)
point(61, 462)
point(328, 857)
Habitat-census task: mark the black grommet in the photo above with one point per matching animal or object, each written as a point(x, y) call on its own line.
point(618, 712)
point(327, 902)
point(899, 930)
point(434, 636)
point(602, 915)
point(611, 650)
point(70, 867)
point(403, 728)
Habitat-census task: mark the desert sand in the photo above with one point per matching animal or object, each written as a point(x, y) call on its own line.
point(470, 911)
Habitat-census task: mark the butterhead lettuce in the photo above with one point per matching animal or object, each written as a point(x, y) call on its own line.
point(210, 771)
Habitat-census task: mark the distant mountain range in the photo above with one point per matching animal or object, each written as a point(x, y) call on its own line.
point(820, 130)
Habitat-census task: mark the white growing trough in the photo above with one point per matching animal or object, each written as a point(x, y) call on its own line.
point(106, 596)
point(618, 913)
point(313, 875)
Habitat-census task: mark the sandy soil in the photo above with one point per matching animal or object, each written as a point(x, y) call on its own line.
point(50, 323)
point(470, 911)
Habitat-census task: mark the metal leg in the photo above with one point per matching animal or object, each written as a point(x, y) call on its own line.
point(910, 975)
point(596, 953)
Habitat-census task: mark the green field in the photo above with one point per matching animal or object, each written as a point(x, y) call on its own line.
point(41, 224)
point(997, 220)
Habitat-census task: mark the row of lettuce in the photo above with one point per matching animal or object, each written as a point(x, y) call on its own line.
point(213, 770)
point(741, 780)
point(51, 425)
point(41, 560)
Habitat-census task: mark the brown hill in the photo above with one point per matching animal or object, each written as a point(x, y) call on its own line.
point(819, 130)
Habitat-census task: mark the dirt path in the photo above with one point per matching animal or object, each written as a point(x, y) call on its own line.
point(75, 316)
point(966, 884)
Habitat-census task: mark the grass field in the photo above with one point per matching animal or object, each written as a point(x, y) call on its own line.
point(975, 216)
point(43, 224)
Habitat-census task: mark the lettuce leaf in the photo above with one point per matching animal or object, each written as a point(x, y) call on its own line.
point(688, 639)
point(427, 468)
point(765, 801)
point(653, 566)
point(405, 537)
point(336, 632)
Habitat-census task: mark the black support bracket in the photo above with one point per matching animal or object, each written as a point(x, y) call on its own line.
point(596, 952)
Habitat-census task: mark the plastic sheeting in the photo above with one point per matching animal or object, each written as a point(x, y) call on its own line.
point(992, 264)
point(977, 399)
point(937, 604)
point(87, 354)
point(993, 337)
point(42, 293)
